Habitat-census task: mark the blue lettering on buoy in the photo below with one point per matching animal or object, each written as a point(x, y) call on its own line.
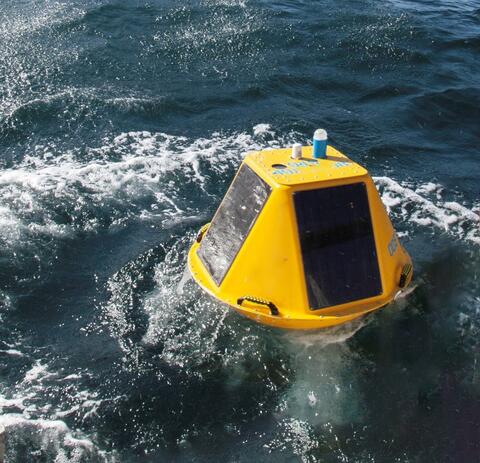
point(294, 166)
point(284, 171)
point(340, 164)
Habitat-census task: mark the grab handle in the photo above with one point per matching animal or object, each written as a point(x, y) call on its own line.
point(202, 232)
point(406, 271)
point(256, 300)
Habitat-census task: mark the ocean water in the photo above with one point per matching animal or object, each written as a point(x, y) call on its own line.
point(121, 125)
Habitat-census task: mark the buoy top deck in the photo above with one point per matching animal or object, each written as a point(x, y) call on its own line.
point(278, 168)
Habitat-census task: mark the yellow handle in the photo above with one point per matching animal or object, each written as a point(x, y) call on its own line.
point(257, 300)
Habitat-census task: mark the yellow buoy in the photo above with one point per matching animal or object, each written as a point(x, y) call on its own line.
point(301, 240)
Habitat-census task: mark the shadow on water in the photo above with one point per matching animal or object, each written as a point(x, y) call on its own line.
point(425, 368)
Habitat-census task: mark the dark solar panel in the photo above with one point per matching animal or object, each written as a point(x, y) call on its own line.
point(232, 222)
point(338, 246)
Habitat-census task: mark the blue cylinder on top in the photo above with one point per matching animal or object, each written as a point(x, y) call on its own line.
point(320, 144)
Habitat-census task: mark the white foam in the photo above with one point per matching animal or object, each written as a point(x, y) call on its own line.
point(31, 191)
point(53, 196)
point(13, 352)
point(73, 376)
point(37, 373)
point(423, 206)
point(312, 399)
point(261, 129)
point(50, 438)
point(142, 184)
point(16, 402)
point(31, 421)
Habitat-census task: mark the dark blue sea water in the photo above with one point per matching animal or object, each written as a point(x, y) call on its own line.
point(121, 126)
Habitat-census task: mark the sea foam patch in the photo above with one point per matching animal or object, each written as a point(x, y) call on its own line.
point(139, 175)
point(47, 440)
point(135, 176)
point(423, 205)
point(33, 418)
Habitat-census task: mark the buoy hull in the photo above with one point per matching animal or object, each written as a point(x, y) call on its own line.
point(303, 246)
